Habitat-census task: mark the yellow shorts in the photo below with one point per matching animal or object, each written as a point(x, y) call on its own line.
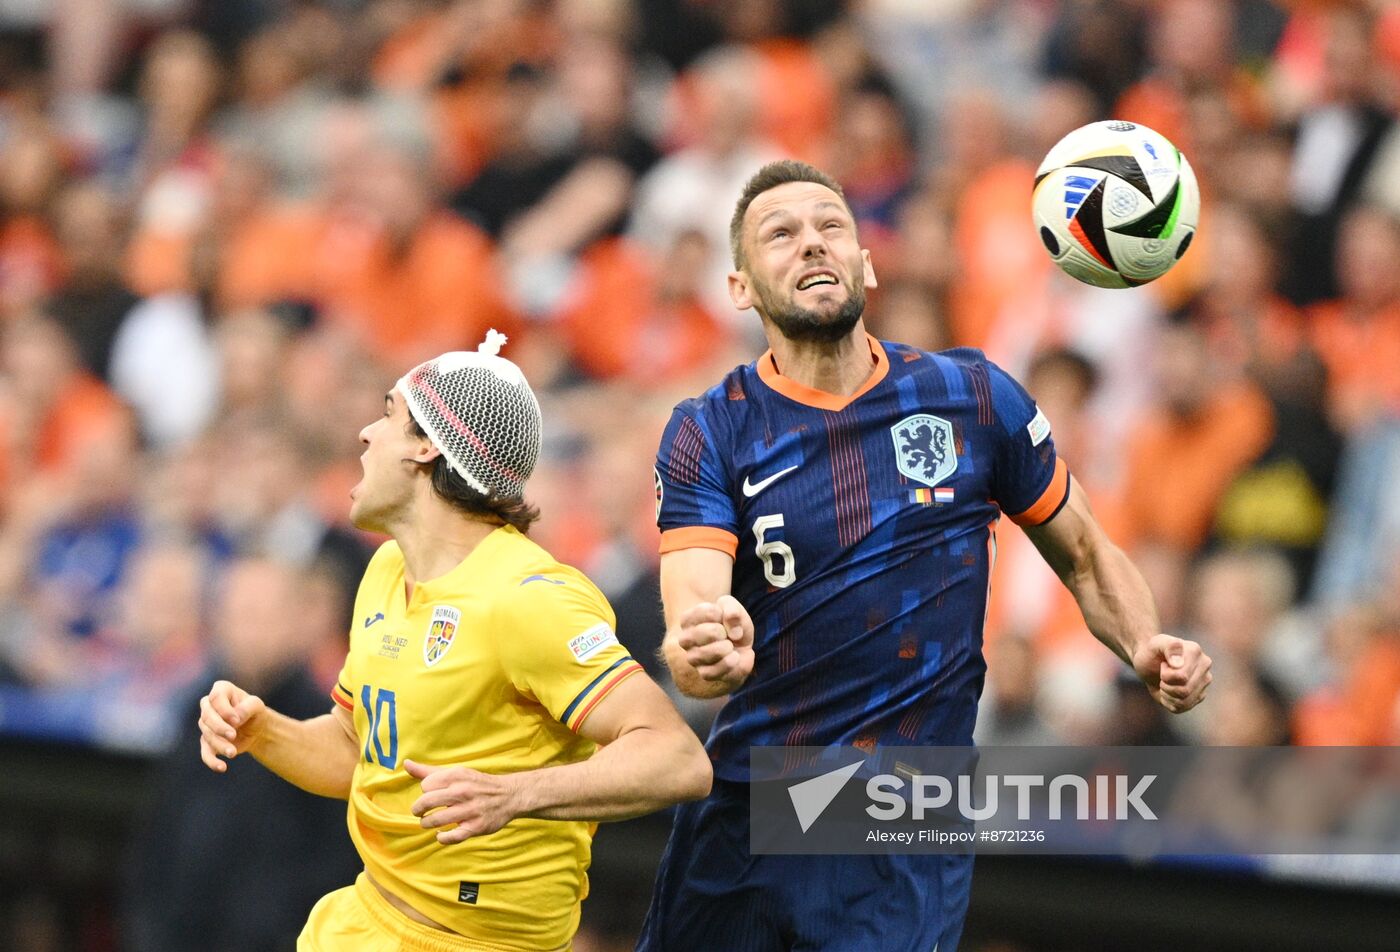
point(359, 919)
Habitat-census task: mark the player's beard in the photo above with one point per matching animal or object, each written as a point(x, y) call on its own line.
point(807, 325)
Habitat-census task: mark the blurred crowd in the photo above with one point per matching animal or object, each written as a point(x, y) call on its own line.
point(226, 227)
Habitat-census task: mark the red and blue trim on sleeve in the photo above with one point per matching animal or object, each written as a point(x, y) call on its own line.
point(341, 695)
point(599, 688)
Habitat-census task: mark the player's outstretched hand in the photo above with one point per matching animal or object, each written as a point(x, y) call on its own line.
point(1176, 671)
point(478, 803)
point(229, 721)
point(717, 638)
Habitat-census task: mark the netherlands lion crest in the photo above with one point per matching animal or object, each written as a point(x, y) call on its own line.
point(924, 448)
point(441, 631)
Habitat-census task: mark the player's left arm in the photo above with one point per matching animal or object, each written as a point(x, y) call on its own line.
point(647, 759)
point(1118, 606)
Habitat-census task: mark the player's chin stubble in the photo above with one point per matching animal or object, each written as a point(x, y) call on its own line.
point(809, 326)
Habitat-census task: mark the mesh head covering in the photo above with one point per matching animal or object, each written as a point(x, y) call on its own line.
point(480, 413)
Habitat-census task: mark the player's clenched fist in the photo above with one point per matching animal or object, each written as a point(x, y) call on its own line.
point(717, 638)
point(229, 721)
point(1176, 671)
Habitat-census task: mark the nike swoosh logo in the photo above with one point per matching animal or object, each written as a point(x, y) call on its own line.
point(378, 616)
point(753, 489)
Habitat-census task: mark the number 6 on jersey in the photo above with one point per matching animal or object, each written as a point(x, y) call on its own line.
point(768, 548)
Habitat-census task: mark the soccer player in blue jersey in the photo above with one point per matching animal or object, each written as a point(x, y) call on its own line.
point(828, 519)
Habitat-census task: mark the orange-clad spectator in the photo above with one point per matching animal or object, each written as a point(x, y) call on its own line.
point(404, 277)
point(260, 261)
point(53, 409)
point(248, 248)
point(469, 119)
point(1199, 98)
point(1027, 598)
point(1298, 66)
point(420, 46)
point(633, 319)
point(1358, 705)
point(30, 262)
point(416, 43)
point(459, 56)
point(1307, 57)
point(1182, 457)
point(1358, 336)
point(800, 125)
point(1192, 46)
point(1388, 41)
point(30, 258)
point(998, 251)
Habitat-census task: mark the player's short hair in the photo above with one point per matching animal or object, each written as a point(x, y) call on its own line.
point(772, 175)
point(478, 410)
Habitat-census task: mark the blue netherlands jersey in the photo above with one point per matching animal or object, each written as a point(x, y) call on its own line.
point(864, 532)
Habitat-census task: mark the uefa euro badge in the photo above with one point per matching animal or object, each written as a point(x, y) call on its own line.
point(924, 448)
point(441, 629)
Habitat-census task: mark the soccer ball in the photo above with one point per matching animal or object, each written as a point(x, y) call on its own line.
point(1116, 204)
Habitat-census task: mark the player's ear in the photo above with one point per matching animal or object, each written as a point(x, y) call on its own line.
point(425, 452)
point(740, 292)
point(870, 281)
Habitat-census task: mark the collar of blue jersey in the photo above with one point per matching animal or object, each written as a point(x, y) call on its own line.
point(768, 372)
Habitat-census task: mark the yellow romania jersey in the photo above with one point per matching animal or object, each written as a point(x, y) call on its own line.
point(492, 666)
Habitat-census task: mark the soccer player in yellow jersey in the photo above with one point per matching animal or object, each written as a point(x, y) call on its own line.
point(486, 715)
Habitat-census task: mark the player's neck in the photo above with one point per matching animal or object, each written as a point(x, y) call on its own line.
point(840, 367)
point(437, 541)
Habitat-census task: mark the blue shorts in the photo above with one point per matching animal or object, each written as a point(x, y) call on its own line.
point(711, 894)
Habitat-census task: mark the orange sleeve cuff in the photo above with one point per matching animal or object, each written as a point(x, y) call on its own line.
point(699, 537)
point(1050, 501)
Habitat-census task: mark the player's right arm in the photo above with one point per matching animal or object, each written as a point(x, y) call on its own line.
point(318, 755)
point(709, 635)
